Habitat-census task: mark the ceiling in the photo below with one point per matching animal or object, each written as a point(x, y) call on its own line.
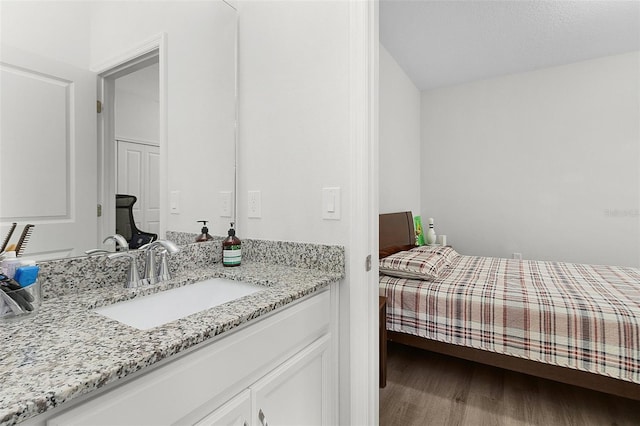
point(443, 43)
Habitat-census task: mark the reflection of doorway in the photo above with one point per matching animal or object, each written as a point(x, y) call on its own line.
point(148, 55)
point(137, 144)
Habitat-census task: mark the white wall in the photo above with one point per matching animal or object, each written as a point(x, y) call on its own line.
point(137, 109)
point(55, 30)
point(136, 117)
point(201, 94)
point(294, 134)
point(545, 163)
point(399, 138)
point(293, 100)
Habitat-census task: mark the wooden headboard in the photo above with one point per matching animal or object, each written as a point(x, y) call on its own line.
point(396, 233)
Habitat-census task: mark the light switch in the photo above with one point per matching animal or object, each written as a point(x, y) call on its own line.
point(254, 208)
point(331, 203)
point(225, 203)
point(174, 202)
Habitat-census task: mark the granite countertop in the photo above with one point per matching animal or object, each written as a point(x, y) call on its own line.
point(67, 350)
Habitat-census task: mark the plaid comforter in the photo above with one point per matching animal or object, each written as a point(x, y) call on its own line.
point(578, 316)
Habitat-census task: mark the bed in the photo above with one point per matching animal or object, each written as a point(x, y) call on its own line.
point(577, 324)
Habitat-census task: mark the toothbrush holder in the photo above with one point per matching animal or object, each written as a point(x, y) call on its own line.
point(20, 303)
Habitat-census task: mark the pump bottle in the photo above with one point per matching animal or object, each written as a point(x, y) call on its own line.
point(231, 249)
point(204, 236)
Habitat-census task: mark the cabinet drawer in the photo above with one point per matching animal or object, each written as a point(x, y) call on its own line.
point(209, 373)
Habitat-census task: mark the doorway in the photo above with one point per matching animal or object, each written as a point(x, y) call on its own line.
point(132, 136)
point(137, 144)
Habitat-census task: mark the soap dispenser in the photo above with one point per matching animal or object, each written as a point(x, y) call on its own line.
point(231, 249)
point(204, 236)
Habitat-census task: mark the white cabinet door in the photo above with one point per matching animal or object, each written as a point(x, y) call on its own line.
point(235, 412)
point(297, 392)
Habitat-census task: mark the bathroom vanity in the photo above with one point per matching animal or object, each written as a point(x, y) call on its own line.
point(268, 357)
point(230, 380)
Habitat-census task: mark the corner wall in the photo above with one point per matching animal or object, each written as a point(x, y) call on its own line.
point(399, 138)
point(544, 163)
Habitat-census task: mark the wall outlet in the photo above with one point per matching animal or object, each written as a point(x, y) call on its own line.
point(516, 256)
point(254, 207)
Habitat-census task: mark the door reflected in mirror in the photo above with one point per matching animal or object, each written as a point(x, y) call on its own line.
point(137, 136)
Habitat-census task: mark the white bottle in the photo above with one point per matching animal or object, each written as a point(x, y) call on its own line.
point(10, 263)
point(430, 237)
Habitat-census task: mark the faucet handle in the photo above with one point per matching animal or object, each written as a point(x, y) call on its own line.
point(163, 269)
point(95, 252)
point(120, 242)
point(133, 278)
point(169, 246)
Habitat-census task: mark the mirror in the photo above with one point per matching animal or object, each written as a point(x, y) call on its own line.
point(57, 174)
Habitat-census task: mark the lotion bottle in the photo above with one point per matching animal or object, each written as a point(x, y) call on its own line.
point(431, 233)
point(204, 236)
point(231, 249)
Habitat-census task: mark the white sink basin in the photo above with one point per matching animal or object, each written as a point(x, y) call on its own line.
point(160, 308)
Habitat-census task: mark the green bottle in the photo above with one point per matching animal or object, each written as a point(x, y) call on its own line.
point(231, 249)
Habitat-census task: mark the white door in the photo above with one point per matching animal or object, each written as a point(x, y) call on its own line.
point(138, 173)
point(48, 153)
point(296, 393)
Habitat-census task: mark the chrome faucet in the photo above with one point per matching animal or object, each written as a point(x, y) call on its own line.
point(121, 242)
point(133, 278)
point(152, 274)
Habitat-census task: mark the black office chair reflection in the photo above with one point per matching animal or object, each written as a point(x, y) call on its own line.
point(126, 225)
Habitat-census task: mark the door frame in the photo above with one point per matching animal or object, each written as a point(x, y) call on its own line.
point(362, 297)
point(150, 51)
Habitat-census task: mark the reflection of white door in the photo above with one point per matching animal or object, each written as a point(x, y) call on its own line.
point(139, 174)
point(48, 153)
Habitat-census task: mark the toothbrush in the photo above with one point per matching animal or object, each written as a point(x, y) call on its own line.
point(8, 237)
point(24, 239)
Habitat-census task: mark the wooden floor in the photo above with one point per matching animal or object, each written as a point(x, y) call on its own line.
point(425, 388)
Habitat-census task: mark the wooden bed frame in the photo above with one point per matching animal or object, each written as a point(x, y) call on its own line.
point(397, 233)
